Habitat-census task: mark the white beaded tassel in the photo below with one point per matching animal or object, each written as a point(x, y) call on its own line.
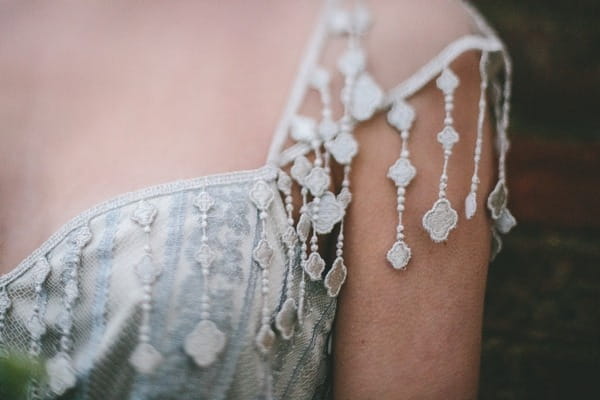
point(471, 200)
point(336, 276)
point(262, 196)
point(317, 182)
point(360, 97)
point(442, 218)
point(497, 201)
point(146, 358)
point(35, 324)
point(286, 318)
point(206, 341)
point(60, 370)
point(304, 129)
point(5, 304)
point(328, 130)
point(343, 147)
point(299, 171)
point(402, 172)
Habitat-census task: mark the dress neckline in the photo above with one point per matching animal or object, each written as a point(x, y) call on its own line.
point(267, 171)
point(485, 39)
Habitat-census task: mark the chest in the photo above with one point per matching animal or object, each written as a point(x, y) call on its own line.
point(128, 104)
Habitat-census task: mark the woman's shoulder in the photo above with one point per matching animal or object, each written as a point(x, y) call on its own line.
point(408, 34)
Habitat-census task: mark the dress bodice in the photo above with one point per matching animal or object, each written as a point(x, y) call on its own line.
point(106, 247)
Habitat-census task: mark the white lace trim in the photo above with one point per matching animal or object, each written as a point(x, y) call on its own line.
point(266, 172)
point(415, 82)
point(312, 53)
point(434, 67)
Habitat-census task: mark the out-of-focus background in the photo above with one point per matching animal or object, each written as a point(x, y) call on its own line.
point(542, 319)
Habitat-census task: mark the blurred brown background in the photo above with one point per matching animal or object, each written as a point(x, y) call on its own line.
point(542, 318)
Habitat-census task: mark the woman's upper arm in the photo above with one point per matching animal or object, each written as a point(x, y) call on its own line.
point(416, 332)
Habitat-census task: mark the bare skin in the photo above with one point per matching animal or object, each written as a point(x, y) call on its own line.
point(100, 99)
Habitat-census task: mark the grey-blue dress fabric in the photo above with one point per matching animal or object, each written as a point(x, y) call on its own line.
point(107, 317)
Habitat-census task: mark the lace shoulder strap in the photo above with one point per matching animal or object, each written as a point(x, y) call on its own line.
point(300, 86)
point(319, 142)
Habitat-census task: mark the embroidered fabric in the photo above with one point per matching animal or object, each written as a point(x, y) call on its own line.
point(208, 287)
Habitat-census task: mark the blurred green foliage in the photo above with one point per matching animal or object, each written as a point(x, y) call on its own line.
point(16, 371)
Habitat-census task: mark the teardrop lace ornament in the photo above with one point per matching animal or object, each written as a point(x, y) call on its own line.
point(325, 213)
point(61, 374)
point(505, 222)
point(303, 129)
point(300, 169)
point(265, 339)
point(145, 358)
point(336, 277)
point(205, 342)
point(367, 97)
point(343, 148)
point(399, 255)
point(471, 204)
point(442, 218)
point(317, 181)
point(285, 320)
point(497, 200)
point(314, 266)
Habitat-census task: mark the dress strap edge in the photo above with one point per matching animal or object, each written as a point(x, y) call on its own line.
point(434, 67)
